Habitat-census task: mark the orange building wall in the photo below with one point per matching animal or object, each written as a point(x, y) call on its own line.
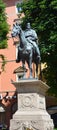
point(7, 75)
point(10, 52)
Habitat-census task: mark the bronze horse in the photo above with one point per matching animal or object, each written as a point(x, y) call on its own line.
point(26, 51)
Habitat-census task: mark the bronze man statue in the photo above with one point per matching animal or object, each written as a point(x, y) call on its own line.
point(31, 37)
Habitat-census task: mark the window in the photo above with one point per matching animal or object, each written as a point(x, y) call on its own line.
point(19, 12)
point(18, 7)
point(20, 71)
point(19, 76)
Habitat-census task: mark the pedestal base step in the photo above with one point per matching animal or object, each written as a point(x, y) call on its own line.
point(31, 121)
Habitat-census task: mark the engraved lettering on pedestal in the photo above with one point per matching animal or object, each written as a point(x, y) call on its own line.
point(41, 102)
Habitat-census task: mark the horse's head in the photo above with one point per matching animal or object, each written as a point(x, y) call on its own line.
point(16, 30)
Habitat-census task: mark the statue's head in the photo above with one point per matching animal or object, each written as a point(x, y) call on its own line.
point(28, 26)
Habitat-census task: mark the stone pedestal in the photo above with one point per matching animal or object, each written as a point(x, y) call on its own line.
point(31, 113)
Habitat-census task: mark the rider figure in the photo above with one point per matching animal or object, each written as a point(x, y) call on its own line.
point(32, 38)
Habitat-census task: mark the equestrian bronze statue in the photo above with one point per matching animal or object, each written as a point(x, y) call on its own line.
point(28, 49)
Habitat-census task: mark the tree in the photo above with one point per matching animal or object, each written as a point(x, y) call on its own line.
point(4, 28)
point(42, 14)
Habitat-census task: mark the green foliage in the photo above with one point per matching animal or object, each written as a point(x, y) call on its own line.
point(4, 28)
point(42, 14)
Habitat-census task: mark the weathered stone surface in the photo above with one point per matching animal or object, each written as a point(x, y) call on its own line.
point(31, 111)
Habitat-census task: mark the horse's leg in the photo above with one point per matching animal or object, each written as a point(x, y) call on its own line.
point(30, 64)
point(23, 65)
point(37, 62)
point(37, 70)
point(18, 56)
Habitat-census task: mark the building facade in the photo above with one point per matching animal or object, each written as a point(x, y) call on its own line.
point(7, 90)
point(8, 96)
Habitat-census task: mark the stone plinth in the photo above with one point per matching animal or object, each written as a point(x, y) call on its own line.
point(31, 111)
